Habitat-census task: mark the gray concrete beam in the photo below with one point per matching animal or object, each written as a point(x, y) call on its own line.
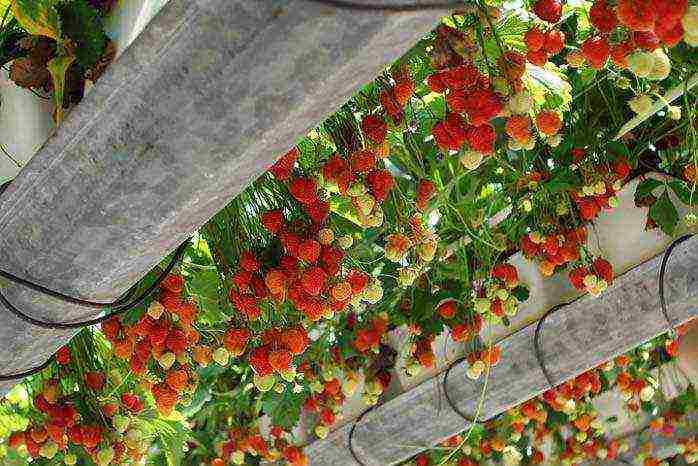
point(209, 95)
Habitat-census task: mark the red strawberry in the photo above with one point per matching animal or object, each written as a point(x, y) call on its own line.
point(259, 360)
point(313, 280)
point(554, 42)
point(596, 51)
point(447, 309)
point(95, 380)
point(548, 122)
point(603, 17)
point(304, 190)
point(604, 270)
point(284, 166)
point(249, 262)
point(380, 183)
point(309, 251)
point(548, 10)
point(63, 356)
point(272, 220)
point(425, 191)
point(132, 402)
point(481, 138)
point(374, 128)
point(534, 39)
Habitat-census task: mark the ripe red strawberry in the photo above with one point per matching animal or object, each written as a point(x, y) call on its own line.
point(259, 360)
point(173, 283)
point(313, 280)
point(284, 166)
point(596, 51)
point(534, 39)
point(380, 183)
point(235, 340)
point(604, 270)
point(95, 380)
point(176, 341)
point(603, 17)
point(362, 161)
point(548, 10)
point(272, 220)
point(621, 169)
point(91, 436)
point(506, 273)
point(165, 398)
point(309, 251)
point(304, 190)
point(538, 57)
point(519, 128)
point(637, 15)
point(374, 128)
point(177, 379)
point(425, 191)
point(450, 134)
point(668, 34)
point(358, 280)
point(447, 309)
point(554, 42)
point(646, 40)
point(281, 360)
point(249, 262)
point(481, 138)
point(295, 339)
point(482, 105)
point(63, 356)
point(327, 417)
point(620, 52)
point(436, 83)
point(548, 122)
point(132, 402)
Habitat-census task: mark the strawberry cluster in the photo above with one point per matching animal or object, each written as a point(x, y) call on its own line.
point(555, 250)
point(469, 95)
point(162, 340)
point(497, 298)
point(631, 29)
point(543, 45)
point(413, 251)
point(65, 432)
point(593, 279)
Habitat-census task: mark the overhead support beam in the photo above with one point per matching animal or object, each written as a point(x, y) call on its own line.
point(574, 339)
point(208, 96)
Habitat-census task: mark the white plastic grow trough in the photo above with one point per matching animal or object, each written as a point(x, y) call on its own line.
point(25, 119)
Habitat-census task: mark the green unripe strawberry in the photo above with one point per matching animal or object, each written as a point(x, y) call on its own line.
point(264, 384)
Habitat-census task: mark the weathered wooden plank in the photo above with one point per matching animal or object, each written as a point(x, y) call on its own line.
point(207, 97)
point(574, 339)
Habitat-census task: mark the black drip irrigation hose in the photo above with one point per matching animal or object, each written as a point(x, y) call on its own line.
point(450, 402)
point(121, 305)
point(351, 435)
point(662, 271)
point(536, 342)
point(395, 7)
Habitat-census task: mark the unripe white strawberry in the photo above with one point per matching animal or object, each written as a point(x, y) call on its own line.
point(674, 112)
point(641, 104)
point(166, 360)
point(325, 236)
point(647, 393)
point(520, 103)
point(264, 384)
point(345, 241)
point(121, 423)
point(482, 305)
point(641, 63)
point(155, 310)
point(48, 450)
point(471, 159)
point(321, 431)
point(238, 457)
point(70, 459)
point(661, 66)
point(690, 22)
point(221, 356)
point(105, 456)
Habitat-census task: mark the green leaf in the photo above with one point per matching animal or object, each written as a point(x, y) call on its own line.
point(664, 213)
point(58, 66)
point(83, 25)
point(562, 181)
point(645, 188)
point(684, 192)
point(521, 293)
point(38, 17)
point(283, 409)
